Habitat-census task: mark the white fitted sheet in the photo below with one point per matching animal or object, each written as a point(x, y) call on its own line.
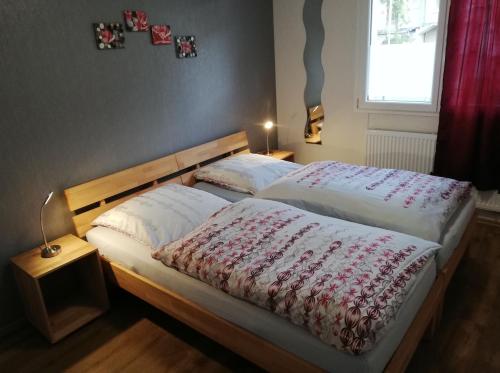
point(229, 195)
point(455, 229)
point(135, 256)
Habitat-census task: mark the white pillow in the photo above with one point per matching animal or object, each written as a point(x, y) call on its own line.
point(163, 215)
point(246, 173)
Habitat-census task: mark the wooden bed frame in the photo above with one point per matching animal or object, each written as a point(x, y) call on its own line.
point(91, 199)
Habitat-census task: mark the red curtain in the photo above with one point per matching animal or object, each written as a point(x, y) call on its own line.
point(468, 143)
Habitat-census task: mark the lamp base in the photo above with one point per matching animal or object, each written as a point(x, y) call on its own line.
point(51, 251)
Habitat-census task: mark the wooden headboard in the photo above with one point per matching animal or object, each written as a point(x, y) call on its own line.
point(89, 200)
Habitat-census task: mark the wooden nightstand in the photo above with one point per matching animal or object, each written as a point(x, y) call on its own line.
point(284, 155)
point(62, 293)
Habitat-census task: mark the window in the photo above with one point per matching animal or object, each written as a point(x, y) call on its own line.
point(402, 42)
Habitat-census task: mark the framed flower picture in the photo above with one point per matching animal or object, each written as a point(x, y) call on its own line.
point(109, 35)
point(161, 34)
point(136, 20)
point(185, 46)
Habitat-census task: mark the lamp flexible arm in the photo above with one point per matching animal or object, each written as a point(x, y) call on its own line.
point(41, 226)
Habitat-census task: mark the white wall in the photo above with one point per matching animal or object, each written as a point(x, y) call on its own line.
point(345, 127)
point(289, 42)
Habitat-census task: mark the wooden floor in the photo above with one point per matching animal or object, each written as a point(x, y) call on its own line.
point(468, 339)
point(134, 337)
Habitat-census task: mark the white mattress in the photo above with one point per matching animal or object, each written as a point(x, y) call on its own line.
point(135, 256)
point(228, 195)
point(455, 229)
point(452, 233)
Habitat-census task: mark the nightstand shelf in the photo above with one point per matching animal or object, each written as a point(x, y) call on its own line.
point(70, 314)
point(284, 155)
point(63, 293)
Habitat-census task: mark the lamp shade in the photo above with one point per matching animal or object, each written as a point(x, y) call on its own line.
point(49, 197)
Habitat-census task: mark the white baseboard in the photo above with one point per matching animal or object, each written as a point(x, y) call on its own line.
point(489, 201)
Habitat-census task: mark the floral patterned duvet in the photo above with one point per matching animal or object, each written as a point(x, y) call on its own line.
point(341, 281)
point(404, 201)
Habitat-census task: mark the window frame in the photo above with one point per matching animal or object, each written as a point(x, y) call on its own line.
point(363, 41)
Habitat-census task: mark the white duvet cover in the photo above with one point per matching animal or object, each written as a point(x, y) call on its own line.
point(343, 282)
point(399, 200)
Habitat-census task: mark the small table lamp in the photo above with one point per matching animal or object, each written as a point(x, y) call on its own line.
point(268, 126)
point(47, 251)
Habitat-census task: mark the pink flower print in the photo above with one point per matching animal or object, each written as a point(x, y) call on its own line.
point(410, 249)
point(369, 250)
point(344, 302)
point(387, 253)
point(318, 318)
point(325, 299)
point(355, 247)
point(385, 239)
point(360, 280)
point(342, 277)
point(409, 201)
point(333, 287)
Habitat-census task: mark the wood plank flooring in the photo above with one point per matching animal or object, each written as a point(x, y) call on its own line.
point(468, 339)
point(134, 337)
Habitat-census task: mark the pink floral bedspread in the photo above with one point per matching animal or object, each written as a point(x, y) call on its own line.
point(341, 281)
point(404, 201)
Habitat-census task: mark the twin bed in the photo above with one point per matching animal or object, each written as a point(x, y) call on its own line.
point(308, 304)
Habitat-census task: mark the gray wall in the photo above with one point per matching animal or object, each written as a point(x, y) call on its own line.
point(70, 113)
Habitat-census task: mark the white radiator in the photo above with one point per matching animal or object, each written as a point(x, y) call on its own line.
point(414, 152)
point(403, 150)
